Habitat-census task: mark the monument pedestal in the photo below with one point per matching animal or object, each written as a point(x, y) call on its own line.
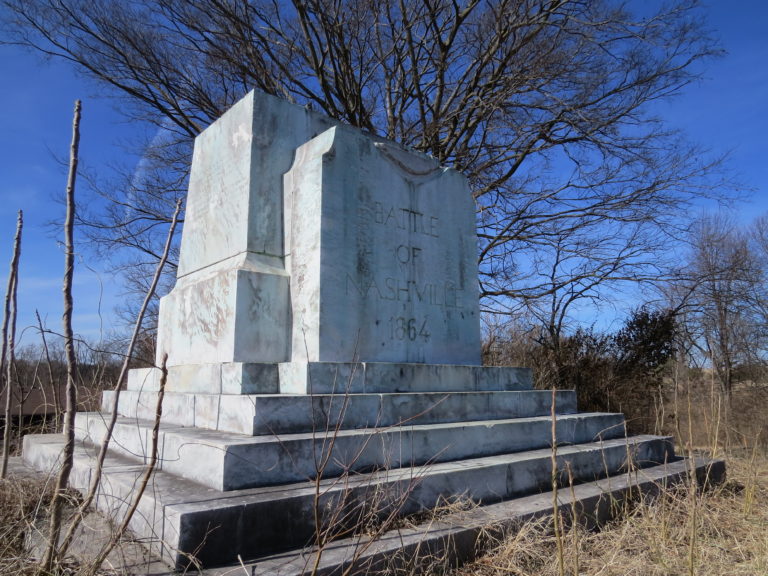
point(323, 356)
point(314, 243)
point(329, 378)
point(241, 476)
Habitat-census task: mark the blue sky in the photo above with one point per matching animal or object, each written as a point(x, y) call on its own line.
point(727, 112)
point(37, 105)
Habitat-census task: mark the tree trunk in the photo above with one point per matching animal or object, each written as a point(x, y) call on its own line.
point(9, 339)
point(69, 345)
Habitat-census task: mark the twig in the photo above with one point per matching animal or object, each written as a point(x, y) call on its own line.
point(9, 338)
point(555, 503)
point(575, 521)
point(692, 491)
point(54, 384)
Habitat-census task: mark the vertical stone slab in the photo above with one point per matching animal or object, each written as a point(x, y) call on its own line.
point(231, 299)
point(234, 204)
point(217, 217)
point(382, 254)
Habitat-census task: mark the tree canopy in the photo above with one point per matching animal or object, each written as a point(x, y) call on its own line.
point(546, 105)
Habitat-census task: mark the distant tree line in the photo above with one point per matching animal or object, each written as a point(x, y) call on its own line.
point(707, 327)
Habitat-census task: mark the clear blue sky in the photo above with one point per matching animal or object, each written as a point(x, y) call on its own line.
point(727, 112)
point(36, 107)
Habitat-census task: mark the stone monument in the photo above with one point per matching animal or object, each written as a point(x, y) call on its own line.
point(308, 246)
point(323, 345)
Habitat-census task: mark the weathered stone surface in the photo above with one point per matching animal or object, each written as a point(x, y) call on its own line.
point(210, 378)
point(331, 378)
point(178, 516)
point(271, 414)
point(230, 303)
point(460, 537)
point(367, 377)
point(226, 316)
point(225, 461)
point(309, 242)
point(234, 204)
point(382, 253)
point(143, 379)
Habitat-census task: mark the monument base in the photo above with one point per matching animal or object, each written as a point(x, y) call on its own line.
point(329, 378)
point(217, 496)
point(263, 399)
point(222, 314)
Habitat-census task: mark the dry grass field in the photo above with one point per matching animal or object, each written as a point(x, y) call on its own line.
point(715, 533)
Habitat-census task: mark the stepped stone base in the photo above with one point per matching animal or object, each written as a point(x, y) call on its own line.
point(181, 517)
point(459, 537)
point(240, 475)
point(225, 461)
point(267, 414)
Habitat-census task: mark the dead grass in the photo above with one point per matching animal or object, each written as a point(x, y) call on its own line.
point(734, 427)
point(716, 533)
point(731, 534)
point(22, 501)
point(24, 507)
point(720, 532)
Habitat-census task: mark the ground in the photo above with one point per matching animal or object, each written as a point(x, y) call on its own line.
point(720, 532)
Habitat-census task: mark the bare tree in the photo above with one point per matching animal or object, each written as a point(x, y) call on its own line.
point(574, 267)
point(544, 104)
point(724, 311)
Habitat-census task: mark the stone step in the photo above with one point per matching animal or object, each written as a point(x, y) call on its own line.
point(457, 538)
point(226, 461)
point(262, 414)
point(217, 526)
point(330, 378)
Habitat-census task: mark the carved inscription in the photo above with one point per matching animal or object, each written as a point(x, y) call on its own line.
point(401, 328)
point(400, 290)
point(405, 219)
point(409, 240)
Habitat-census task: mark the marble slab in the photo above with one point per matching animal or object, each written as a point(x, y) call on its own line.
point(382, 254)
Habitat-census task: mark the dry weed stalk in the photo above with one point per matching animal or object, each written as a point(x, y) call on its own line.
point(683, 530)
point(555, 502)
point(21, 502)
point(653, 538)
point(118, 534)
point(55, 388)
point(575, 521)
point(343, 507)
point(321, 460)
